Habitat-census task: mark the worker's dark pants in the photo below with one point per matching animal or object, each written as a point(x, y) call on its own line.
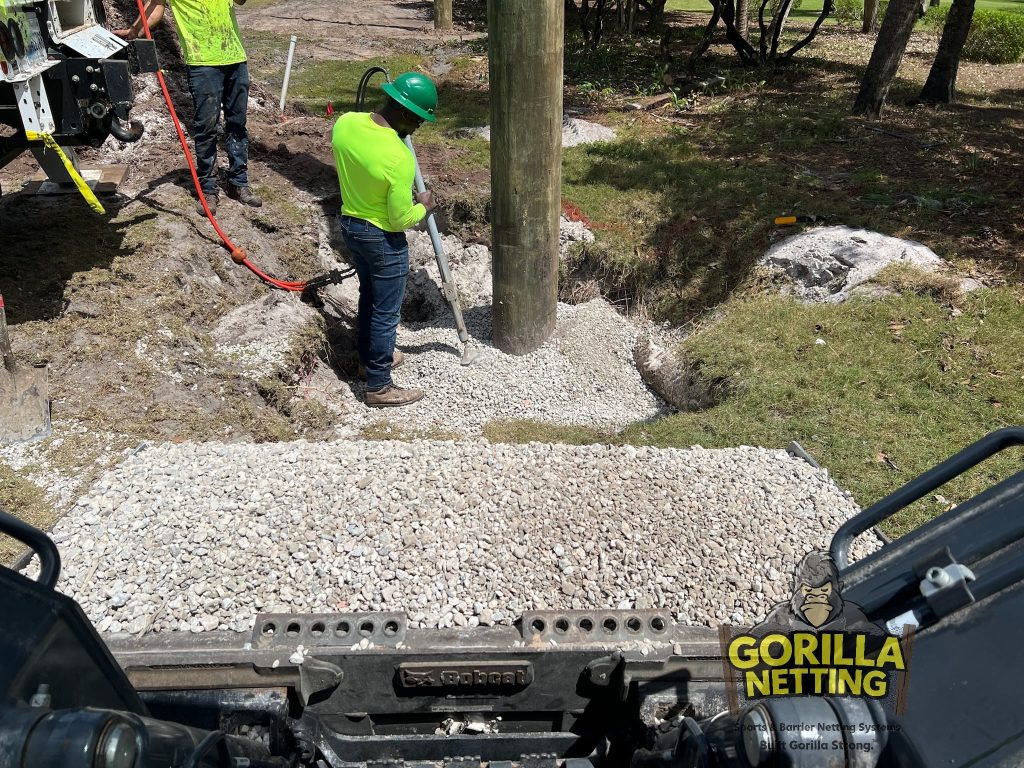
point(382, 263)
point(213, 88)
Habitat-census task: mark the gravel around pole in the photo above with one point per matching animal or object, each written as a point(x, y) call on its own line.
point(200, 537)
point(583, 375)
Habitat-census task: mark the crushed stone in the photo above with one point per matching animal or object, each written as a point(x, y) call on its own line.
point(198, 537)
point(583, 375)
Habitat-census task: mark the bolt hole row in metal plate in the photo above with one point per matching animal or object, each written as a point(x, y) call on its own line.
point(282, 629)
point(596, 626)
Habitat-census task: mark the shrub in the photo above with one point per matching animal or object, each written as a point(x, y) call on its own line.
point(935, 19)
point(996, 37)
point(848, 11)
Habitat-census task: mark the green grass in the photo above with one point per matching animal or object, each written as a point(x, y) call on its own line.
point(26, 501)
point(337, 81)
point(682, 211)
point(900, 385)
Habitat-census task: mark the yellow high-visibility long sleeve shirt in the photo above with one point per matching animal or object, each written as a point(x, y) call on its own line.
point(208, 32)
point(375, 172)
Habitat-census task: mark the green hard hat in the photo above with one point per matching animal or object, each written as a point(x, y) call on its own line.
point(415, 92)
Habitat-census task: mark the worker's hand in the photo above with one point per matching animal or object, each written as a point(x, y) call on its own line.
point(426, 199)
point(124, 34)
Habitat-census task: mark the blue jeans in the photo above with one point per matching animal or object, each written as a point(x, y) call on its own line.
point(213, 88)
point(382, 263)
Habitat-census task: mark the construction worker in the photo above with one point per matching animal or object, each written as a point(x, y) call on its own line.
point(375, 173)
point(218, 76)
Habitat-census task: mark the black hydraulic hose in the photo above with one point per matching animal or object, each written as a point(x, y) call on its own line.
point(128, 135)
point(40, 543)
point(365, 81)
point(213, 739)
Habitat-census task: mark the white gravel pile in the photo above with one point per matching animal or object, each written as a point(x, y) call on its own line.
point(574, 132)
point(584, 375)
point(827, 264)
point(196, 537)
point(83, 447)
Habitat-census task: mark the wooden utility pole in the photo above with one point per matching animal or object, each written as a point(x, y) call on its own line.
point(525, 62)
point(443, 14)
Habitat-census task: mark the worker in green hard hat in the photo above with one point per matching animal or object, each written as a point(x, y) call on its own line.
point(376, 172)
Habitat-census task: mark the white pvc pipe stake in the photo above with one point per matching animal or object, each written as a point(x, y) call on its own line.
point(287, 71)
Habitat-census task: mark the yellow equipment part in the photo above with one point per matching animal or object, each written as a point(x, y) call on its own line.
point(83, 188)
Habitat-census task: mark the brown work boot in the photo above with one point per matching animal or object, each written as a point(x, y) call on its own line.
point(392, 395)
point(211, 200)
point(248, 197)
point(396, 360)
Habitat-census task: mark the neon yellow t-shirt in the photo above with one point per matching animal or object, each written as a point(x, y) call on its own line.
point(375, 172)
point(208, 32)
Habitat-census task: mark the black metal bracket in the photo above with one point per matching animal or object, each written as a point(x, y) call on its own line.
point(142, 57)
point(608, 673)
point(317, 679)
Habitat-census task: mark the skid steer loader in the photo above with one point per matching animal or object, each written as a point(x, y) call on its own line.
point(558, 689)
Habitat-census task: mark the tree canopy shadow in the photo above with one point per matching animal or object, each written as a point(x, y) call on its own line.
point(39, 258)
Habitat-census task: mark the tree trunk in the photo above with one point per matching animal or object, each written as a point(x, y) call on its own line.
point(778, 25)
point(762, 43)
point(657, 11)
point(745, 50)
point(584, 19)
point(886, 56)
point(941, 84)
point(443, 14)
point(525, 67)
point(742, 17)
point(705, 42)
point(870, 12)
point(826, 9)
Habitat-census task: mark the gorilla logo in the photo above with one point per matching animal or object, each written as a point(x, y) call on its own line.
point(816, 604)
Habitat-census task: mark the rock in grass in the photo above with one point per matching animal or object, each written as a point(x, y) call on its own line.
point(824, 264)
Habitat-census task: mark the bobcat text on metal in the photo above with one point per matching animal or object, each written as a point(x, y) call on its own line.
point(465, 675)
